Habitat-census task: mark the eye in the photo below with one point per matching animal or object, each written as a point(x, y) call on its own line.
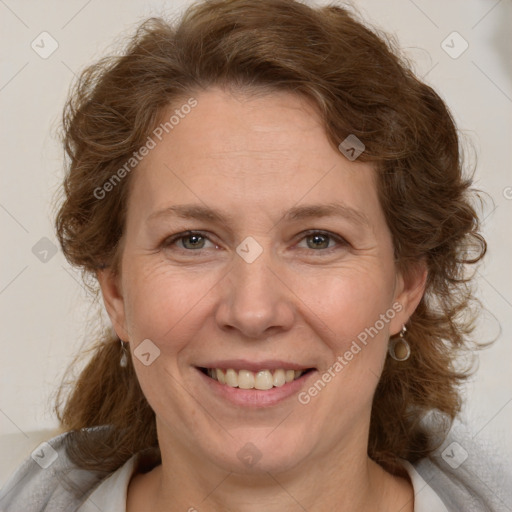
point(321, 240)
point(189, 241)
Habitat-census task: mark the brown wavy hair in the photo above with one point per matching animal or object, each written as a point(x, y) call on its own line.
point(361, 85)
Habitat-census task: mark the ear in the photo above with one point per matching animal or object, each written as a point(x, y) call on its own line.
point(409, 289)
point(114, 301)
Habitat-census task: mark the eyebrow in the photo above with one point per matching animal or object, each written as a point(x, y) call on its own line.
point(204, 213)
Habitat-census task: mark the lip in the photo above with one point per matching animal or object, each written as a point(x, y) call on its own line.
point(255, 398)
point(254, 366)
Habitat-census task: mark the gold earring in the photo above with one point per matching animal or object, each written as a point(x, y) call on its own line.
point(398, 348)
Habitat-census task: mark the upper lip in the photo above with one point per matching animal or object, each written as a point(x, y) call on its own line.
point(254, 366)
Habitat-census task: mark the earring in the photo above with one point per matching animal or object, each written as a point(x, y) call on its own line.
point(398, 348)
point(124, 356)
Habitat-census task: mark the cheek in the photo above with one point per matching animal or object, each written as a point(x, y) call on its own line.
point(160, 299)
point(347, 301)
point(347, 311)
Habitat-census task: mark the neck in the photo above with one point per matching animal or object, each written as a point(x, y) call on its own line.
point(339, 481)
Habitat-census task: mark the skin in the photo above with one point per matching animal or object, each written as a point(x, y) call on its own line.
point(258, 155)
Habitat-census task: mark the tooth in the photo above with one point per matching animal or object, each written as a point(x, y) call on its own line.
point(263, 380)
point(231, 378)
point(220, 376)
point(279, 378)
point(245, 379)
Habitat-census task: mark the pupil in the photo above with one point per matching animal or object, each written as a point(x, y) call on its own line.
point(319, 238)
point(194, 238)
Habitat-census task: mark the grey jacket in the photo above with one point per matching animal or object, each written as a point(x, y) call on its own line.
point(461, 472)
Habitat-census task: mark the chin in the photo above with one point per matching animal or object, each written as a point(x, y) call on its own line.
point(260, 451)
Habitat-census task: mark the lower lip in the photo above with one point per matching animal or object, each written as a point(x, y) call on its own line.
point(255, 397)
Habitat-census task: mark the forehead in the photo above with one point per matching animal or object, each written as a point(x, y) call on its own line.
point(259, 151)
point(247, 125)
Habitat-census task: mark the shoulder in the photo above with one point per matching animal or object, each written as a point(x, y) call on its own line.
point(466, 472)
point(48, 480)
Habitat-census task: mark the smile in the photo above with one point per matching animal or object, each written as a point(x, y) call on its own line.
point(247, 379)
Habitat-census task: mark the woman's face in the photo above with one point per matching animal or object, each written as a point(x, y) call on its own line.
point(290, 267)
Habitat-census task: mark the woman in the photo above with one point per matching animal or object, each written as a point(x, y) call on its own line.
point(275, 210)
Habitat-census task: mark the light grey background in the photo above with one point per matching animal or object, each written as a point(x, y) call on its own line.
point(46, 314)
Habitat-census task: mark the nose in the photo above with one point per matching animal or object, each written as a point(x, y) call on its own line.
point(256, 300)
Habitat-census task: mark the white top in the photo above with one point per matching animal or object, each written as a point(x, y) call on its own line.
point(425, 499)
point(111, 493)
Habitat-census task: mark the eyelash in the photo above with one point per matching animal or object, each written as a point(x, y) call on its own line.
point(331, 236)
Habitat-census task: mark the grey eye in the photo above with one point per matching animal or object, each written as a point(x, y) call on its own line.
point(196, 241)
point(319, 241)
